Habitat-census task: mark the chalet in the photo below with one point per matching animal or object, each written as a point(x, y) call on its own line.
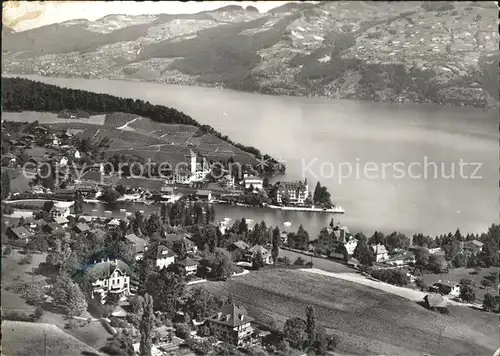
point(61, 221)
point(233, 325)
point(266, 256)
point(294, 192)
point(403, 259)
point(113, 224)
point(188, 266)
point(164, 257)
point(473, 246)
point(52, 228)
point(380, 252)
point(342, 236)
point(81, 228)
point(445, 289)
point(204, 195)
point(140, 245)
point(18, 233)
point(252, 181)
point(238, 246)
point(187, 243)
point(110, 277)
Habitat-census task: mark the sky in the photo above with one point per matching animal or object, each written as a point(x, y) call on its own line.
point(24, 15)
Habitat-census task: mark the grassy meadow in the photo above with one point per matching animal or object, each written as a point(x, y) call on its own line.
point(367, 321)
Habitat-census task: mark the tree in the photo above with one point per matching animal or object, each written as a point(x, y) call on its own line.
point(294, 331)
point(422, 257)
point(275, 249)
point(47, 206)
point(68, 296)
point(437, 264)
point(109, 196)
point(258, 261)
point(78, 204)
point(146, 326)
point(467, 293)
point(310, 324)
point(166, 288)
point(397, 240)
point(202, 304)
point(363, 253)
point(153, 224)
point(4, 185)
point(490, 303)
point(421, 284)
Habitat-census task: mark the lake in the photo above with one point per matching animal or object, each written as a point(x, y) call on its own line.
point(386, 146)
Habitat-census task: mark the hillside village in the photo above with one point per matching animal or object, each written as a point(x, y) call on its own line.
point(182, 280)
point(110, 267)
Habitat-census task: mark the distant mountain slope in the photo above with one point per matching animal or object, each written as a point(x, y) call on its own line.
point(439, 52)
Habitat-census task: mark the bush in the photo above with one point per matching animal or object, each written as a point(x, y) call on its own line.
point(486, 282)
point(182, 330)
point(392, 276)
point(72, 324)
point(419, 282)
point(299, 261)
point(7, 251)
point(17, 316)
point(309, 264)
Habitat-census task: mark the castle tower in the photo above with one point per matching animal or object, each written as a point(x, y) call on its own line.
point(192, 161)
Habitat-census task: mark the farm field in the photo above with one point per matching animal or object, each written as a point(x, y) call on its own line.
point(146, 137)
point(27, 339)
point(49, 118)
point(365, 319)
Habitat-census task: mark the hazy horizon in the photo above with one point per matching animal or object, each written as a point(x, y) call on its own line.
point(24, 15)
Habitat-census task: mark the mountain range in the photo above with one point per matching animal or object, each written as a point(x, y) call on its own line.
point(415, 51)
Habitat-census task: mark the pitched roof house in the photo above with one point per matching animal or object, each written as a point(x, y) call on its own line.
point(188, 265)
point(110, 277)
point(139, 244)
point(81, 228)
point(18, 233)
point(164, 257)
point(233, 324)
point(380, 252)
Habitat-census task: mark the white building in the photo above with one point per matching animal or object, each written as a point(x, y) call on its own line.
point(164, 257)
point(380, 252)
point(296, 192)
point(194, 169)
point(77, 154)
point(60, 210)
point(256, 182)
point(188, 265)
point(63, 162)
point(343, 236)
point(109, 277)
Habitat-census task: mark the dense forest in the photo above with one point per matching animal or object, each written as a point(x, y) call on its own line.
point(20, 94)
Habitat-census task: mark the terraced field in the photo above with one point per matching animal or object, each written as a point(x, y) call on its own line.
point(148, 139)
point(367, 321)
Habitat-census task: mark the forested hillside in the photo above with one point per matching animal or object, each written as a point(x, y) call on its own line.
point(20, 94)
